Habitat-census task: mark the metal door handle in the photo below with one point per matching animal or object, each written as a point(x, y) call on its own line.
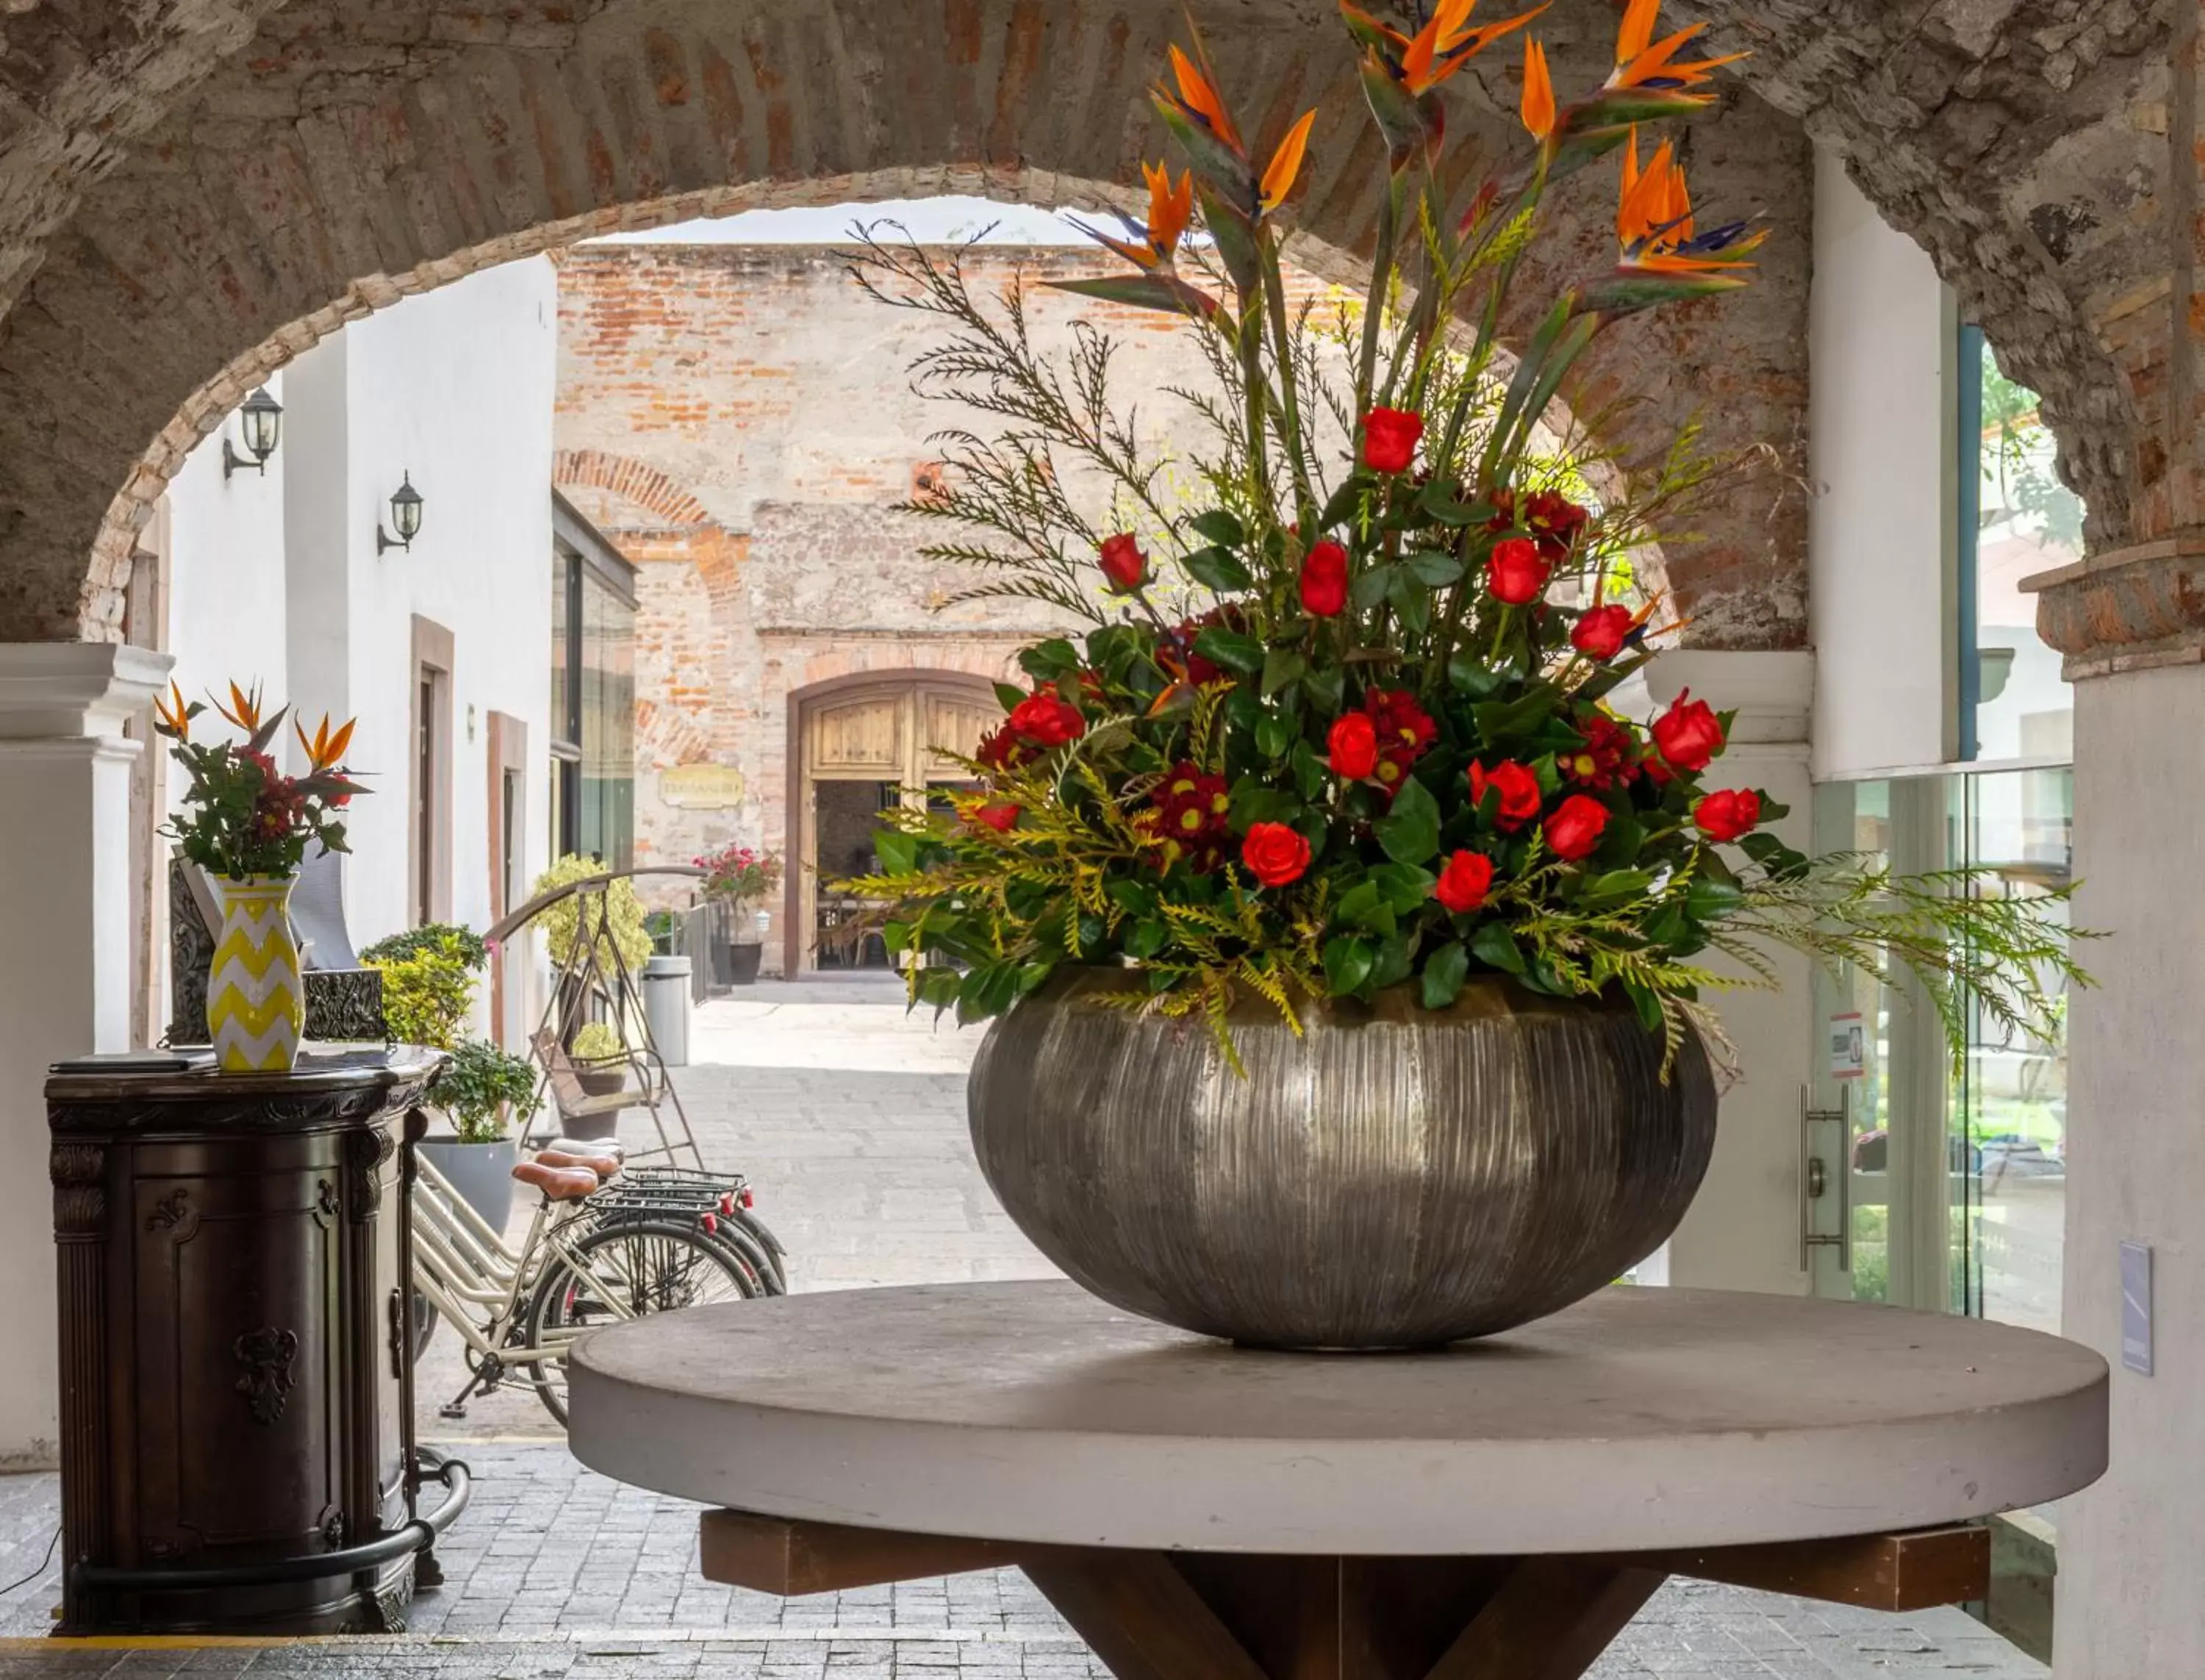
point(1813, 1182)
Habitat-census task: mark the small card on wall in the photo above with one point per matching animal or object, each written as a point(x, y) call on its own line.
point(2136, 1307)
point(1848, 1048)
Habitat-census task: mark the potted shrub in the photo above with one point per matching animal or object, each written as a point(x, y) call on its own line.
point(737, 878)
point(600, 1060)
point(482, 1089)
point(429, 978)
point(1318, 886)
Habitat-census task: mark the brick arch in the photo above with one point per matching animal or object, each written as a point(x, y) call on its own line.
point(213, 215)
point(636, 481)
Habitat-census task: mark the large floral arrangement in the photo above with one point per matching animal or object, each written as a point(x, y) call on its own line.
point(1341, 720)
point(243, 816)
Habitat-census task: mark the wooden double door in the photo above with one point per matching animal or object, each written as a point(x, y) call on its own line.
point(862, 744)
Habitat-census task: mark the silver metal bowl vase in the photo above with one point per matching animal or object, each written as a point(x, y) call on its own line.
point(1395, 1178)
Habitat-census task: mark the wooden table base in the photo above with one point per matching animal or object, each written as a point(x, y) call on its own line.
point(1217, 1616)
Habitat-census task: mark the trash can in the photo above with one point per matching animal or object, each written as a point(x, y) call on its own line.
point(666, 1007)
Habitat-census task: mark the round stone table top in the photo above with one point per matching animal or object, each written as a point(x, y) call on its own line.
point(1639, 1419)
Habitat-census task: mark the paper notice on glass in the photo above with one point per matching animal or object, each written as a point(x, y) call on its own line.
point(2136, 1307)
point(1848, 1048)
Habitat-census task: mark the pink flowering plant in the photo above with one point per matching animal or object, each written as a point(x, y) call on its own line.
point(1345, 722)
point(740, 873)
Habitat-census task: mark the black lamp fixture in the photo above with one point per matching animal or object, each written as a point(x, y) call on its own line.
point(405, 514)
point(260, 419)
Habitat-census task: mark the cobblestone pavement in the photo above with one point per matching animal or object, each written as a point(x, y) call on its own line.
point(849, 1118)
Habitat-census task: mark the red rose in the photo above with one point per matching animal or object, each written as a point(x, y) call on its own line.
point(1600, 633)
point(1727, 814)
point(1462, 883)
point(1689, 733)
point(1516, 572)
point(1275, 854)
point(1324, 580)
point(1046, 720)
point(1123, 563)
point(1519, 792)
point(1353, 746)
point(1389, 439)
point(1000, 816)
point(1576, 826)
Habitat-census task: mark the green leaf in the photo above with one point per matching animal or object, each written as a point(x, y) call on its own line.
point(1438, 506)
point(1326, 687)
point(1219, 526)
point(1274, 734)
point(1434, 569)
point(1050, 661)
point(1144, 291)
point(1617, 884)
point(1346, 963)
point(1411, 831)
point(1310, 771)
point(1146, 939)
point(1009, 696)
point(1400, 885)
point(897, 851)
point(1345, 500)
point(1219, 568)
point(1396, 957)
point(1232, 649)
point(1411, 600)
point(1496, 948)
point(1499, 720)
point(1647, 1001)
point(939, 986)
point(1444, 972)
point(1136, 898)
point(1364, 906)
point(1256, 800)
point(1370, 587)
point(1707, 900)
point(1466, 673)
point(1282, 666)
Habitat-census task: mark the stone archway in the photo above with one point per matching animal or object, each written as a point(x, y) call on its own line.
point(351, 152)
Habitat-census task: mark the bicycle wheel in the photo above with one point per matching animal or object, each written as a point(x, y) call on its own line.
point(625, 1270)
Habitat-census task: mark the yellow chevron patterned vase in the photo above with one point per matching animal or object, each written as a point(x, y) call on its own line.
point(255, 1003)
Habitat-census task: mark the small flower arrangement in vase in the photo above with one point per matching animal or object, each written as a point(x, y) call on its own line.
point(1334, 765)
point(739, 877)
point(248, 825)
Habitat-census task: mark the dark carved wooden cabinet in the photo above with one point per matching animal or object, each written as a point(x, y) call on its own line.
point(237, 1449)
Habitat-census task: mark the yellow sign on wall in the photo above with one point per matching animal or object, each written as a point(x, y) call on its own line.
point(701, 787)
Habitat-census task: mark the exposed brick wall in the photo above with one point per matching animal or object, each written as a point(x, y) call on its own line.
point(356, 150)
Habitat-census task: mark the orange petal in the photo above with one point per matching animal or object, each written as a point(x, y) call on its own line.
point(1538, 104)
point(1286, 164)
point(1636, 30)
point(1200, 96)
point(342, 740)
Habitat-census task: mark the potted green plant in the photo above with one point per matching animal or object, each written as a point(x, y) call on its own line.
point(600, 1058)
point(737, 878)
point(482, 1089)
point(429, 979)
point(247, 825)
point(1319, 885)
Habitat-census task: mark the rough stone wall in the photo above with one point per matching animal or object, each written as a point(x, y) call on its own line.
point(356, 150)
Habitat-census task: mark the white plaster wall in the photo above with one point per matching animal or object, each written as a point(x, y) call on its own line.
point(453, 386)
point(1880, 355)
point(2129, 1606)
point(226, 590)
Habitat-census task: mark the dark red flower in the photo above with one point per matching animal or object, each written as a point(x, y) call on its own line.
point(1123, 563)
point(1553, 521)
point(1609, 755)
point(1728, 814)
point(1352, 744)
point(1324, 580)
point(1191, 808)
point(1689, 733)
point(1518, 787)
point(1001, 749)
point(1179, 650)
point(1576, 826)
point(1602, 632)
point(1275, 855)
point(1404, 731)
point(1045, 721)
point(1516, 572)
point(1463, 883)
point(1000, 816)
point(1389, 439)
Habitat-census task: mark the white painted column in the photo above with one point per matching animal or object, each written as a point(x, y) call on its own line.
point(65, 958)
point(1743, 1233)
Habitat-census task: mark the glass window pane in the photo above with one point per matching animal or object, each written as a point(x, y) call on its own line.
point(607, 795)
point(562, 573)
point(2028, 522)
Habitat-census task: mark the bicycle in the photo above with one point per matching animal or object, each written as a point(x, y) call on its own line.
point(602, 1247)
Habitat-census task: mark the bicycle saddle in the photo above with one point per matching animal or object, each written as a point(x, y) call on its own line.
point(605, 1166)
point(558, 1183)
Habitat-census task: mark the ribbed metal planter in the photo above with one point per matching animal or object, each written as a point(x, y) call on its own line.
point(1394, 1179)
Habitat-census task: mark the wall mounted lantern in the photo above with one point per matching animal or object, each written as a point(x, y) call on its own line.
point(261, 420)
point(405, 514)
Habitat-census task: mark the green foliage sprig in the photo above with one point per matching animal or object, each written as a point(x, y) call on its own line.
point(479, 1085)
point(427, 990)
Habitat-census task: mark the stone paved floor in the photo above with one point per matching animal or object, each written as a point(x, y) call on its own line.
point(849, 1118)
